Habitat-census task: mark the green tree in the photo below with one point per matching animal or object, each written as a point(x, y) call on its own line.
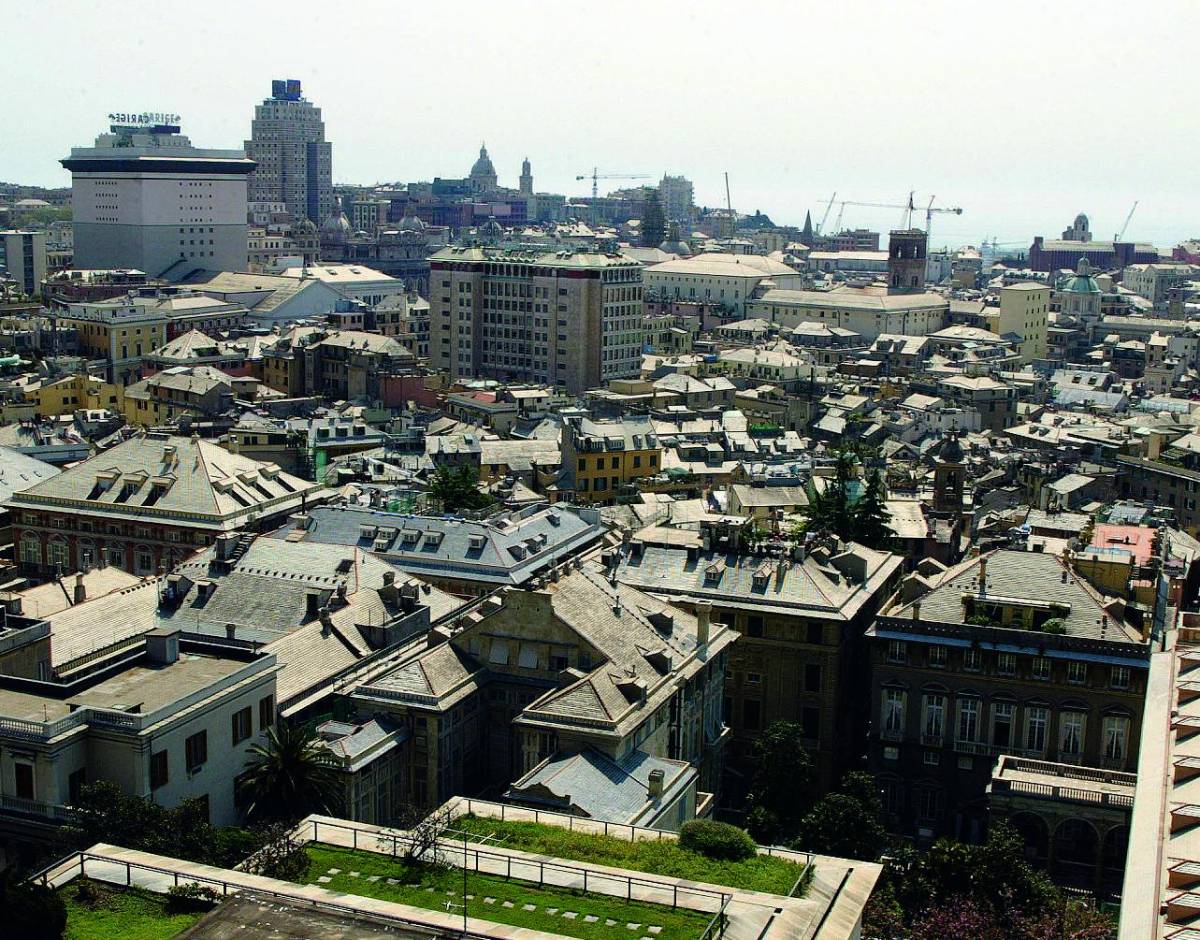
point(31, 912)
point(995, 875)
point(779, 787)
point(829, 511)
point(654, 223)
point(289, 777)
point(870, 514)
point(847, 823)
point(457, 488)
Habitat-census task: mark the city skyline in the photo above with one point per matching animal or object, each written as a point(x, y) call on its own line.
point(982, 126)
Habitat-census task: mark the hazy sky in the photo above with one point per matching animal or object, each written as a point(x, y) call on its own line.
point(1022, 113)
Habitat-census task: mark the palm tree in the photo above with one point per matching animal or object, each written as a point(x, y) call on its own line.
point(289, 776)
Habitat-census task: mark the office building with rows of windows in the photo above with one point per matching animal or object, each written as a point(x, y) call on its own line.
point(568, 319)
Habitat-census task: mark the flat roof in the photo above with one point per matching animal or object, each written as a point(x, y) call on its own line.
point(146, 685)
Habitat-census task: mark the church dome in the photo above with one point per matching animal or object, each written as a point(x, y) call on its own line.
point(674, 244)
point(336, 228)
point(409, 221)
point(483, 168)
point(1082, 282)
point(491, 229)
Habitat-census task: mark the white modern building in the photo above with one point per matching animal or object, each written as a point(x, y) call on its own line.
point(145, 198)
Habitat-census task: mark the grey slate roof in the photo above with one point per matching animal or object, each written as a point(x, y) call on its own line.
point(507, 550)
point(1021, 576)
point(20, 472)
point(264, 596)
point(809, 588)
point(592, 784)
point(152, 476)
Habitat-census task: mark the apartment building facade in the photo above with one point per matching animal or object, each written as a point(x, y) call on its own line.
point(566, 319)
point(1009, 653)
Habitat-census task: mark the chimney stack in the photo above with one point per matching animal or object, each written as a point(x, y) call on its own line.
point(654, 787)
point(326, 621)
point(703, 622)
point(983, 574)
point(80, 589)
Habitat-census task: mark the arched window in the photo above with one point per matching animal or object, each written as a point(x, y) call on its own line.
point(31, 549)
point(143, 560)
point(58, 553)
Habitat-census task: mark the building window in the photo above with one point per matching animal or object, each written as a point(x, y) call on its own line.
point(1119, 678)
point(159, 770)
point(896, 651)
point(1116, 738)
point(195, 750)
point(240, 725)
point(58, 554)
point(813, 631)
point(751, 714)
point(937, 657)
point(968, 720)
point(1036, 720)
point(812, 677)
point(893, 711)
point(1006, 664)
point(23, 777)
point(929, 803)
point(810, 723)
point(1076, 672)
point(1040, 668)
point(933, 722)
point(754, 626)
point(1002, 722)
point(31, 550)
point(1070, 738)
point(972, 660)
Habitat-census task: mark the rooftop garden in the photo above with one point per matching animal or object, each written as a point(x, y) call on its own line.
point(98, 911)
point(667, 857)
point(573, 913)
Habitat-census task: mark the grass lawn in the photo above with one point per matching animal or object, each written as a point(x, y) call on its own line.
point(760, 873)
point(446, 883)
point(123, 913)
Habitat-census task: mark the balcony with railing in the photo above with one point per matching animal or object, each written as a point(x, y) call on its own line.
point(1039, 779)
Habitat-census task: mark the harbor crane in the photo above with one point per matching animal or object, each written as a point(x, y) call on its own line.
point(1121, 234)
point(595, 176)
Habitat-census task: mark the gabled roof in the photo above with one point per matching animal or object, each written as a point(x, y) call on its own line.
point(195, 481)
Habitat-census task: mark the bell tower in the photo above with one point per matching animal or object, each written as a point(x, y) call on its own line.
point(906, 260)
point(948, 471)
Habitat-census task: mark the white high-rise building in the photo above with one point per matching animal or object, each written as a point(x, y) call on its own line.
point(143, 197)
point(294, 160)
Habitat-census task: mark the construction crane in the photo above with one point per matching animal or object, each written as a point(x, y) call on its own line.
point(595, 176)
point(909, 208)
point(1121, 234)
point(821, 227)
